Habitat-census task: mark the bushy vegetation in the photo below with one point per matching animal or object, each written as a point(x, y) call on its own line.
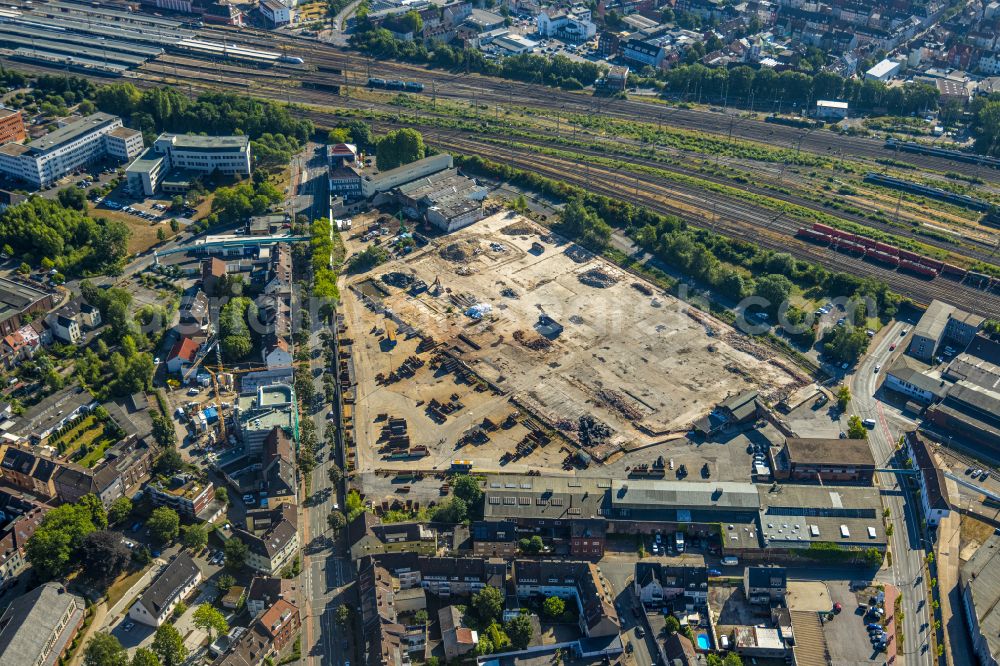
point(399, 147)
point(44, 230)
point(557, 71)
point(765, 86)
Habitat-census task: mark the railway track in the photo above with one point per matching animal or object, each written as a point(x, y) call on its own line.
point(469, 87)
point(981, 253)
point(733, 219)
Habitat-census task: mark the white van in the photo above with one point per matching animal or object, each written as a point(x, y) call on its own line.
point(869, 423)
point(730, 561)
point(679, 541)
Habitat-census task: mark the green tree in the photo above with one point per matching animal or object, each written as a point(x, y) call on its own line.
point(163, 430)
point(208, 618)
point(468, 488)
point(222, 494)
point(672, 624)
point(732, 659)
point(194, 536)
point(234, 329)
point(342, 615)
point(144, 657)
point(169, 462)
point(225, 583)
point(774, 288)
point(553, 607)
point(103, 556)
point(119, 510)
point(105, 650)
point(169, 645)
point(584, 225)
point(73, 197)
point(164, 523)
point(399, 147)
point(236, 554)
point(487, 604)
point(843, 397)
point(336, 520)
point(334, 473)
point(519, 629)
point(52, 549)
point(856, 429)
point(531, 546)
point(353, 504)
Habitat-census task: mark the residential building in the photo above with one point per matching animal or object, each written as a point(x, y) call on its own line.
point(172, 586)
point(366, 535)
point(616, 79)
point(279, 483)
point(257, 415)
point(212, 271)
point(494, 538)
point(182, 355)
point(942, 322)
point(571, 24)
point(933, 489)
point(267, 638)
point(73, 482)
point(264, 591)
point(26, 469)
point(24, 343)
point(184, 494)
point(20, 516)
point(979, 583)
point(639, 53)
point(11, 126)
point(825, 460)
point(191, 153)
point(345, 181)
point(275, 12)
point(70, 321)
point(74, 145)
point(765, 585)
point(458, 640)
point(195, 318)
point(913, 379)
point(277, 354)
point(38, 627)
point(579, 582)
point(658, 583)
point(271, 537)
point(18, 299)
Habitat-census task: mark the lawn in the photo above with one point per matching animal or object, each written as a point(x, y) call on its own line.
point(91, 433)
point(95, 453)
point(123, 585)
point(143, 231)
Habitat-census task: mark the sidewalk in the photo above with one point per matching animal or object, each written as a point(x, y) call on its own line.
point(891, 594)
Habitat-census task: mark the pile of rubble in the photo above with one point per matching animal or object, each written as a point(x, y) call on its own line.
point(453, 252)
point(590, 431)
point(595, 277)
point(520, 228)
point(620, 404)
point(397, 279)
point(642, 288)
point(536, 342)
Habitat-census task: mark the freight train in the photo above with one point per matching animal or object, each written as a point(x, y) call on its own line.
point(407, 86)
point(957, 155)
point(963, 200)
point(892, 256)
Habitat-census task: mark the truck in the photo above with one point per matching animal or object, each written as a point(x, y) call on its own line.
point(679, 541)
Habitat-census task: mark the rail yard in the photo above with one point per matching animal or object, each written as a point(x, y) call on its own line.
point(568, 143)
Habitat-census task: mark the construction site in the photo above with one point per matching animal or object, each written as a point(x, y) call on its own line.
point(504, 347)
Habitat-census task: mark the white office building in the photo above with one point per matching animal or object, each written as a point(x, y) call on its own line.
point(229, 155)
point(74, 145)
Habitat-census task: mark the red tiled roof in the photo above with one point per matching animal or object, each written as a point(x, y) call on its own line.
point(185, 349)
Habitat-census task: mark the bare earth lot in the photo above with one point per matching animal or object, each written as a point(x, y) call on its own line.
point(628, 355)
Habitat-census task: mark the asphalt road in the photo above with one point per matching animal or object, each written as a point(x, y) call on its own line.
point(326, 573)
point(908, 543)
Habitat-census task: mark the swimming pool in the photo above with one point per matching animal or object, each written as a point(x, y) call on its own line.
point(703, 642)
